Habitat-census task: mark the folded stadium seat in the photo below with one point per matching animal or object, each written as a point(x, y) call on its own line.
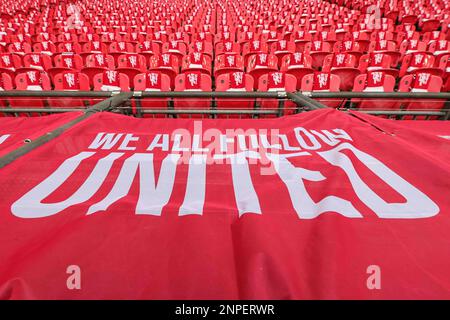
point(67, 37)
point(34, 81)
point(20, 48)
point(301, 38)
point(419, 62)
point(70, 81)
point(203, 36)
point(433, 35)
point(382, 35)
point(273, 36)
point(223, 47)
point(148, 48)
point(111, 80)
point(68, 47)
point(247, 36)
point(224, 37)
point(277, 81)
point(235, 81)
point(377, 62)
point(6, 84)
point(408, 19)
point(344, 66)
point(374, 81)
point(326, 36)
point(430, 25)
point(68, 60)
point(439, 48)
point(45, 36)
point(353, 47)
point(180, 37)
point(387, 47)
point(282, 48)
point(411, 46)
point(93, 47)
point(407, 35)
point(87, 37)
point(9, 63)
point(131, 64)
point(166, 63)
point(109, 37)
point(201, 46)
point(228, 62)
point(97, 63)
point(35, 61)
point(192, 81)
point(157, 37)
point(251, 48)
point(322, 82)
point(444, 65)
point(45, 47)
point(177, 48)
point(297, 64)
point(318, 51)
point(152, 81)
point(446, 86)
point(197, 61)
point(133, 38)
point(422, 82)
point(260, 64)
point(342, 31)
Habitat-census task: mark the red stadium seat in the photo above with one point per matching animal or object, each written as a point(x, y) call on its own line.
point(111, 80)
point(192, 81)
point(6, 82)
point(197, 61)
point(282, 48)
point(422, 82)
point(386, 47)
point(251, 48)
point(228, 62)
point(45, 47)
point(374, 81)
point(9, 63)
point(344, 66)
point(278, 81)
point(176, 48)
point(37, 61)
point(235, 81)
point(323, 82)
point(377, 62)
point(298, 65)
point(227, 47)
point(319, 50)
point(419, 62)
point(35, 81)
point(166, 63)
point(70, 81)
point(260, 64)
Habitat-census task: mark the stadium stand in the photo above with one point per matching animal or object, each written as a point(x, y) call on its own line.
point(112, 45)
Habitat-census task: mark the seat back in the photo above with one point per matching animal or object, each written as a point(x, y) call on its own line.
point(151, 81)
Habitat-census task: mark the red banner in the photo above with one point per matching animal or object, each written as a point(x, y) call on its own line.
point(321, 205)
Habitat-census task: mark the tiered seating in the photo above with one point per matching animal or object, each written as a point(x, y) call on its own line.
point(116, 45)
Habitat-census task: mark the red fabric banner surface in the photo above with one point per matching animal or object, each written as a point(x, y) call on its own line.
point(320, 205)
